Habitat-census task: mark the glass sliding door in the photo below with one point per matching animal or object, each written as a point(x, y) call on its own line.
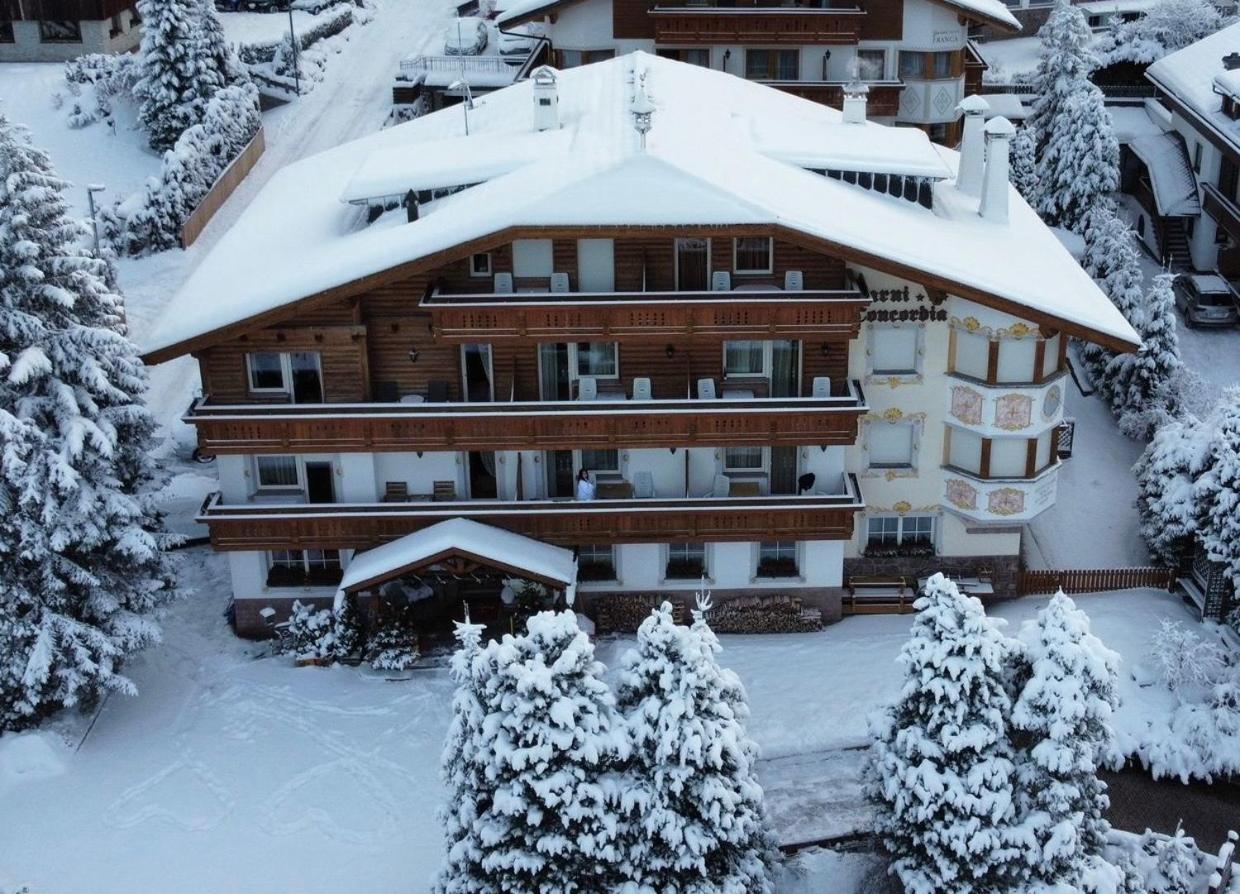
point(553, 378)
point(692, 265)
point(477, 374)
point(307, 378)
point(785, 368)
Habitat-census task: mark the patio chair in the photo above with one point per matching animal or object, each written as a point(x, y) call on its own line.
point(723, 486)
point(793, 281)
point(643, 485)
point(437, 392)
point(821, 386)
point(396, 492)
point(503, 284)
point(641, 389)
point(444, 492)
point(706, 389)
point(559, 283)
point(587, 388)
point(721, 281)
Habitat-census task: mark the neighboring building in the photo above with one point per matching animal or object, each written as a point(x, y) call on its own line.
point(790, 347)
point(914, 55)
point(1186, 180)
point(1099, 15)
point(59, 30)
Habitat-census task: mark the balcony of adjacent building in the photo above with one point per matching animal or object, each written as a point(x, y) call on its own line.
point(758, 22)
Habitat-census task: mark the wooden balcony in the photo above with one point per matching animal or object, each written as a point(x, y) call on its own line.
point(1224, 211)
point(678, 25)
point(883, 100)
point(526, 425)
point(643, 316)
point(565, 522)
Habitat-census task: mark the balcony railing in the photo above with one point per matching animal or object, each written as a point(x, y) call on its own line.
point(1224, 211)
point(617, 316)
point(756, 24)
point(689, 519)
point(527, 425)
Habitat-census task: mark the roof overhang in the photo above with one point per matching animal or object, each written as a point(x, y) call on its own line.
point(532, 14)
point(976, 15)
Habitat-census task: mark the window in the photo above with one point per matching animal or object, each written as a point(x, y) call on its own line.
point(600, 460)
point(778, 558)
point(532, 257)
point(893, 350)
point(303, 568)
point(1197, 159)
point(692, 56)
point(744, 459)
point(1016, 360)
point(297, 374)
point(685, 561)
point(480, 264)
point(1008, 457)
point(599, 359)
point(913, 65)
point(596, 562)
point(923, 66)
point(970, 354)
point(60, 32)
point(277, 472)
point(891, 445)
point(900, 535)
point(752, 254)
point(266, 372)
point(6, 32)
point(573, 58)
point(871, 64)
point(772, 65)
point(744, 358)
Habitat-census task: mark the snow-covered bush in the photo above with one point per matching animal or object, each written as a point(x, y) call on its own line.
point(942, 770)
point(1077, 153)
point(1063, 715)
point(81, 543)
point(698, 820)
point(1182, 658)
point(323, 634)
point(97, 80)
point(1178, 864)
point(1167, 26)
point(1167, 474)
point(152, 221)
point(394, 646)
point(325, 25)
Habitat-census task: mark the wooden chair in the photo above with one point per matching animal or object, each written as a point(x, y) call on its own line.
point(396, 492)
point(444, 492)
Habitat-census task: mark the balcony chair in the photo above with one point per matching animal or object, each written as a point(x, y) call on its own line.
point(396, 492)
point(821, 386)
point(723, 486)
point(706, 389)
point(559, 283)
point(503, 284)
point(443, 492)
point(437, 392)
point(387, 392)
point(721, 281)
point(643, 485)
point(793, 281)
point(587, 388)
point(641, 389)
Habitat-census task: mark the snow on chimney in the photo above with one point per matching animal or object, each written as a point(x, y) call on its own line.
point(994, 205)
point(972, 145)
point(855, 96)
point(546, 99)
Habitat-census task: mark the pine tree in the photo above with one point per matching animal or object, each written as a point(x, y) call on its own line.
point(1177, 863)
point(171, 94)
point(1166, 474)
point(1023, 171)
point(79, 542)
point(217, 63)
point(1142, 384)
point(1167, 26)
point(1218, 487)
point(1063, 713)
point(469, 792)
point(1078, 156)
point(1113, 259)
point(942, 770)
point(551, 742)
point(699, 822)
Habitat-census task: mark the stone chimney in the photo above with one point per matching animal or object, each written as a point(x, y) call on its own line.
point(546, 99)
point(994, 205)
point(855, 93)
point(972, 145)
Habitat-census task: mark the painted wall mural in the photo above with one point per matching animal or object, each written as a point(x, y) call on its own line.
point(967, 405)
point(961, 494)
point(1006, 501)
point(1014, 412)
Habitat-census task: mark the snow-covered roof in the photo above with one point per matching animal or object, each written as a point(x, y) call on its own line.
point(523, 10)
point(990, 10)
point(703, 165)
point(490, 544)
point(1171, 174)
point(1005, 105)
point(1190, 75)
point(1132, 122)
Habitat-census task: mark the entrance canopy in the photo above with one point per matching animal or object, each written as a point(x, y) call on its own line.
point(460, 542)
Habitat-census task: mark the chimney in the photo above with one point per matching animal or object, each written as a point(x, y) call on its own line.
point(972, 145)
point(546, 99)
point(411, 206)
point(855, 96)
point(994, 205)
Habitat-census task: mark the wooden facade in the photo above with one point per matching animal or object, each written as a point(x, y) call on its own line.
point(63, 10)
point(693, 25)
point(566, 523)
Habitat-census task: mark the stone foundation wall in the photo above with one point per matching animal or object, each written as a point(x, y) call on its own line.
point(1002, 570)
point(827, 600)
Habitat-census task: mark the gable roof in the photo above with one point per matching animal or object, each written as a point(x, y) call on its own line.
point(1190, 75)
point(298, 240)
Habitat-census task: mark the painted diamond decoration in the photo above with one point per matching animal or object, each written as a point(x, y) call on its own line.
point(943, 101)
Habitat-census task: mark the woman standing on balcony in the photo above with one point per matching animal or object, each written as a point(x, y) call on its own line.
point(585, 487)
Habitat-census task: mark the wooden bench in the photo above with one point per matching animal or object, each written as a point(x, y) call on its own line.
point(396, 492)
point(872, 595)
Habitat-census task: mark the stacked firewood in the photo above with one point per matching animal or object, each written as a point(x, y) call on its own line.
point(764, 614)
point(625, 613)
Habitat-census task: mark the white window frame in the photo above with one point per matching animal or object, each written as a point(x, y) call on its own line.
point(286, 373)
point(900, 532)
point(763, 373)
point(604, 474)
point(763, 469)
point(305, 558)
point(882, 75)
point(797, 558)
point(667, 556)
point(298, 462)
point(770, 257)
point(574, 366)
point(614, 562)
point(473, 269)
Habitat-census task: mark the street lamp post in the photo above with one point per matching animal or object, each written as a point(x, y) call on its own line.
point(94, 222)
point(468, 102)
point(292, 38)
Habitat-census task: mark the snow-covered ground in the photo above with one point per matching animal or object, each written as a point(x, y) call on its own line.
point(260, 27)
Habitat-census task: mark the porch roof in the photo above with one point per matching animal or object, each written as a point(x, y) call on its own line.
point(462, 538)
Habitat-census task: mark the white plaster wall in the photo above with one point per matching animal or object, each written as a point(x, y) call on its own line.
point(232, 470)
point(587, 26)
point(355, 478)
point(730, 566)
point(667, 470)
point(822, 563)
point(420, 473)
point(954, 539)
point(639, 566)
point(827, 465)
point(27, 47)
point(932, 26)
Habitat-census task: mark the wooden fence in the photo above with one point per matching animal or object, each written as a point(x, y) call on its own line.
point(1093, 580)
point(223, 188)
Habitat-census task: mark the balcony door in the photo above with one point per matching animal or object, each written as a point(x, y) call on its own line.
point(477, 373)
point(692, 265)
point(560, 473)
point(307, 378)
point(320, 487)
point(483, 484)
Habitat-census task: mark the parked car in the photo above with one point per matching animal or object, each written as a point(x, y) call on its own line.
point(227, 5)
point(314, 7)
point(516, 45)
point(1205, 299)
point(265, 5)
point(465, 37)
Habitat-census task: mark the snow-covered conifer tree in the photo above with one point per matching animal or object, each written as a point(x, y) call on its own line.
point(217, 64)
point(1218, 488)
point(469, 792)
point(1177, 864)
point(173, 98)
point(551, 742)
point(1113, 259)
point(1078, 156)
point(1141, 385)
point(1167, 26)
point(942, 770)
point(699, 824)
point(1167, 474)
point(79, 543)
point(1023, 171)
point(1063, 714)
